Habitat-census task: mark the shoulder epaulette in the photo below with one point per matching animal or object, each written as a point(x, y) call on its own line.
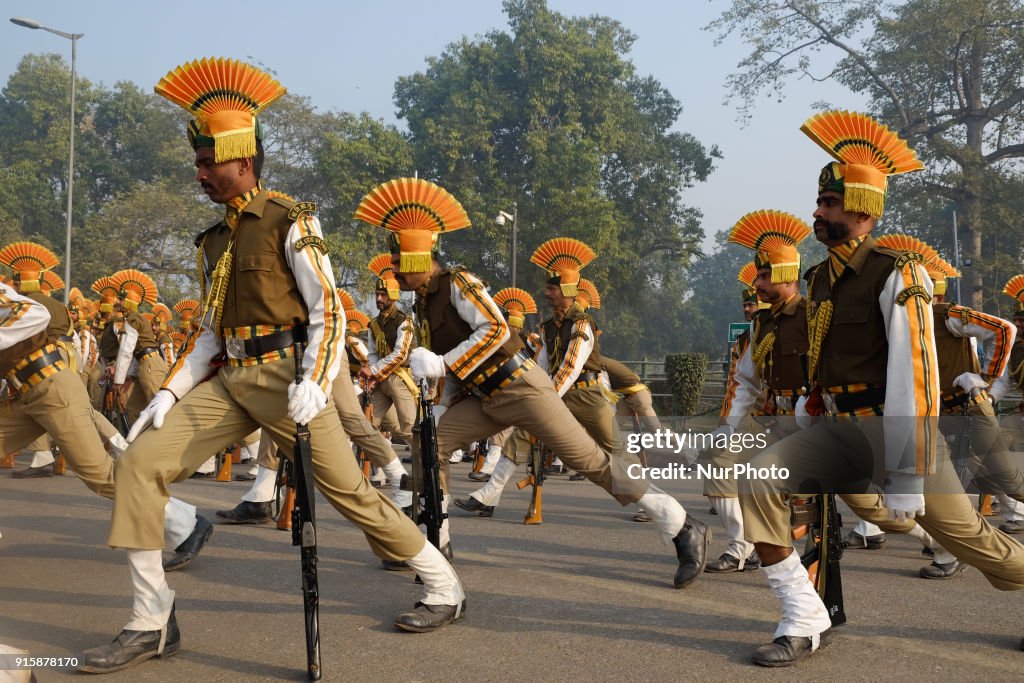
point(466, 285)
point(900, 258)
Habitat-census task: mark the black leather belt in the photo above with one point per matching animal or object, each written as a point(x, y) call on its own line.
point(848, 403)
point(950, 401)
point(48, 358)
point(486, 384)
point(257, 346)
point(143, 352)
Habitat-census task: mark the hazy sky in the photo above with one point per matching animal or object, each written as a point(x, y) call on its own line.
point(347, 55)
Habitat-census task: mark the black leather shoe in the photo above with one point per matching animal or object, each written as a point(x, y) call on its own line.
point(34, 472)
point(787, 650)
point(245, 476)
point(692, 550)
point(247, 512)
point(942, 571)
point(555, 469)
point(130, 648)
point(857, 542)
point(479, 476)
point(424, 618)
point(203, 475)
point(471, 504)
point(576, 476)
point(731, 563)
point(190, 547)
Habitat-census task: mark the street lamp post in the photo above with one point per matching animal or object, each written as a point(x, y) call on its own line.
point(73, 37)
point(504, 217)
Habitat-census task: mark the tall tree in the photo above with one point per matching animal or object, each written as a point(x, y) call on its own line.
point(553, 116)
point(946, 74)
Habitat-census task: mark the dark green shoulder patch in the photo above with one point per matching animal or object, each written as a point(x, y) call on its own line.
point(913, 290)
point(299, 209)
point(314, 241)
point(907, 257)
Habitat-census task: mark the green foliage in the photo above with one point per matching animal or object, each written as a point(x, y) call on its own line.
point(685, 373)
point(552, 116)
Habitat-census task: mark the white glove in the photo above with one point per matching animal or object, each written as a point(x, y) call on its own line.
point(904, 496)
point(305, 401)
point(904, 506)
point(970, 383)
point(803, 418)
point(426, 365)
point(153, 414)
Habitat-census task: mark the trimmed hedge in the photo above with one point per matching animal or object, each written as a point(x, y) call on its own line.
point(685, 373)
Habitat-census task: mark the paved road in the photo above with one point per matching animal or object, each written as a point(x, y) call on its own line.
point(585, 597)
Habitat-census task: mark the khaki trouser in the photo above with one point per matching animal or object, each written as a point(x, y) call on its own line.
point(994, 469)
point(641, 405)
point(517, 447)
point(59, 406)
point(149, 376)
point(92, 384)
point(355, 424)
point(830, 455)
point(592, 409)
point(231, 405)
point(393, 392)
point(42, 443)
point(530, 402)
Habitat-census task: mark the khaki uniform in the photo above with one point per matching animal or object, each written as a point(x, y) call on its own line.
point(151, 369)
point(528, 400)
point(846, 454)
point(262, 299)
point(636, 398)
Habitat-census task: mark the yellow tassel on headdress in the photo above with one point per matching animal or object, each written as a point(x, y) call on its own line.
point(869, 153)
point(564, 257)
point(774, 235)
point(224, 95)
point(589, 291)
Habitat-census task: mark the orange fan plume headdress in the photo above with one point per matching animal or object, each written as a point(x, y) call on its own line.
point(134, 287)
point(563, 258)
point(162, 314)
point(517, 303)
point(347, 302)
point(588, 292)
point(356, 321)
point(746, 277)
point(1015, 288)
point(49, 281)
point(866, 154)
point(380, 266)
point(415, 211)
point(774, 236)
point(187, 309)
point(28, 260)
point(224, 96)
point(108, 293)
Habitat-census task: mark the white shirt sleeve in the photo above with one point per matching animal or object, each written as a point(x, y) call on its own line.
point(326, 325)
point(912, 372)
point(125, 352)
point(382, 367)
point(995, 335)
point(20, 317)
point(490, 331)
point(746, 388)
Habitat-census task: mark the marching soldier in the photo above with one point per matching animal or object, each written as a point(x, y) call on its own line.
point(489, 383)
point(265, 271)
point(871, 352)
point(387, 367)
point(137, 348)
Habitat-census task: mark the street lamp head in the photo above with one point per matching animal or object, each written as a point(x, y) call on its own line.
point(27, 23)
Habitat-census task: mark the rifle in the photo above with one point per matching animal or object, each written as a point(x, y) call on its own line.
point(111, 410)
point(432, 515)
point(285, 479)
point(961, 450)
point(821, 558)
point(536, 479)
point(304, 524)
point(366, 404)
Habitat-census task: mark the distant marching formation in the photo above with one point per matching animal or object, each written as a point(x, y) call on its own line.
point(864, 380)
